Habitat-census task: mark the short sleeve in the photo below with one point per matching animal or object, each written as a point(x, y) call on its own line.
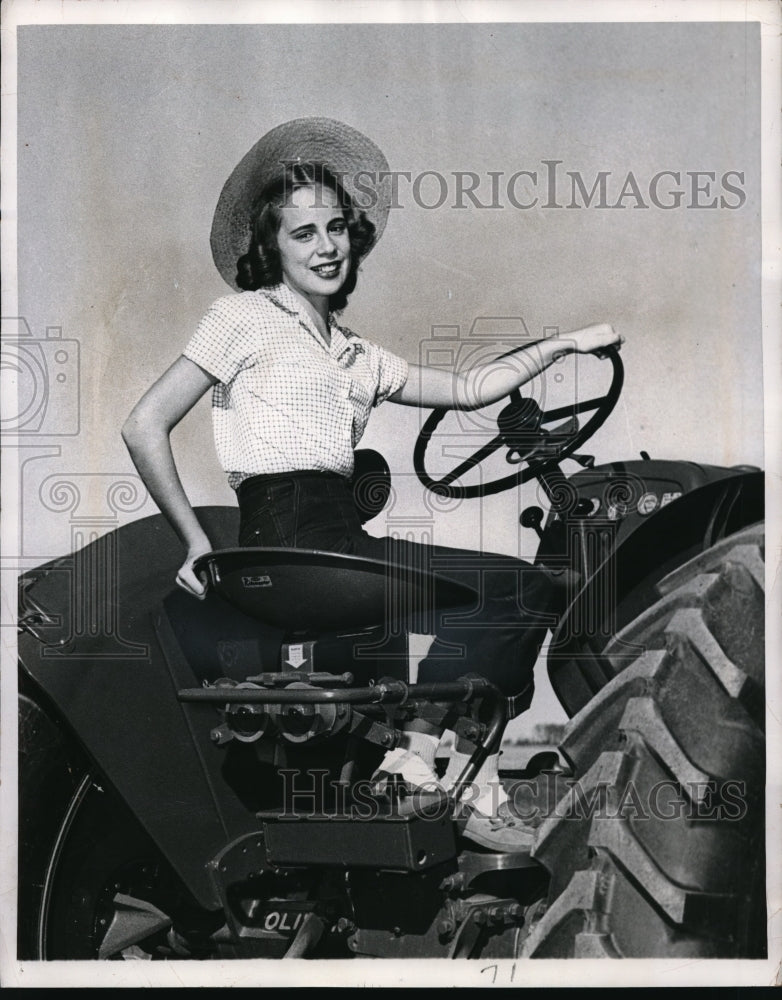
point(222, 341)
point(392, 373)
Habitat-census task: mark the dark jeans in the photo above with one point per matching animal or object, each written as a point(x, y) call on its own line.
point(498, 637)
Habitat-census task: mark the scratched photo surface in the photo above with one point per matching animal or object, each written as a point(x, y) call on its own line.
point(546, 176)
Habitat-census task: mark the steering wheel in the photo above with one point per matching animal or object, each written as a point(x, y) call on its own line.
point(522, 431)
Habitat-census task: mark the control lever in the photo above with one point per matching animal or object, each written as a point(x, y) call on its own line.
point(532, 517)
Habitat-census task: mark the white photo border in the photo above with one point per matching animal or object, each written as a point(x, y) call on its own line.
point(385, 972)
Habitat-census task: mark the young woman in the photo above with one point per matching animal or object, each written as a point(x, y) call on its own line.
point(292, 393)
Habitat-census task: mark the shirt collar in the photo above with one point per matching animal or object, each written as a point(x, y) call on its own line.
point(283, 297)
point(343, 341)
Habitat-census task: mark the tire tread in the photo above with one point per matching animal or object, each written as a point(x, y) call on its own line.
point(631, 885)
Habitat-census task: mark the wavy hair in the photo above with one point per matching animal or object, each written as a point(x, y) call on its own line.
point(260, 267)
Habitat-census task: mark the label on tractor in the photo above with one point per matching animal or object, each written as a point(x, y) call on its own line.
point(284, 922)
point(295, 654)
point(667, 497)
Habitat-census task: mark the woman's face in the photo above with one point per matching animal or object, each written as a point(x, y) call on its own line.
point(313, 242)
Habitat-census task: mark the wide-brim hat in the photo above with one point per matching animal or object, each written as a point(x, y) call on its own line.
point(348, 153)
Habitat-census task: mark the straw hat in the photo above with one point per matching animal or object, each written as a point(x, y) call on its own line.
point(355, 159)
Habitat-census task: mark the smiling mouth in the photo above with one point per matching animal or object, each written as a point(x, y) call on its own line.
point(330, 270)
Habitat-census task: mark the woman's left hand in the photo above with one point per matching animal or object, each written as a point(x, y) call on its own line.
point(485, 384)
point(592, 339)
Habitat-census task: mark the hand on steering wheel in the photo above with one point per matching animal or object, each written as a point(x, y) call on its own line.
point(521, 426)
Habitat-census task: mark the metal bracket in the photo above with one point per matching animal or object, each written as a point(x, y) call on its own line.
point(134, 919)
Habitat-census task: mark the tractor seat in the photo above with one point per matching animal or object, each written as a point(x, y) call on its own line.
point(307, 591)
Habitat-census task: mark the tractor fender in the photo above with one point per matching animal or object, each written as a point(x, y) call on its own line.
point(100, 669)
point(624, 584)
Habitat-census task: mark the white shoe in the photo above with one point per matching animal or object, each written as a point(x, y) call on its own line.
point(502, 832)
point(407, 768)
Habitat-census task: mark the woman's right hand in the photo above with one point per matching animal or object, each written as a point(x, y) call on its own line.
point(187, 579)
point(146, 433)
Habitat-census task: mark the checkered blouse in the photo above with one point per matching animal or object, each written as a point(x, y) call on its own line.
point(284, 400)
